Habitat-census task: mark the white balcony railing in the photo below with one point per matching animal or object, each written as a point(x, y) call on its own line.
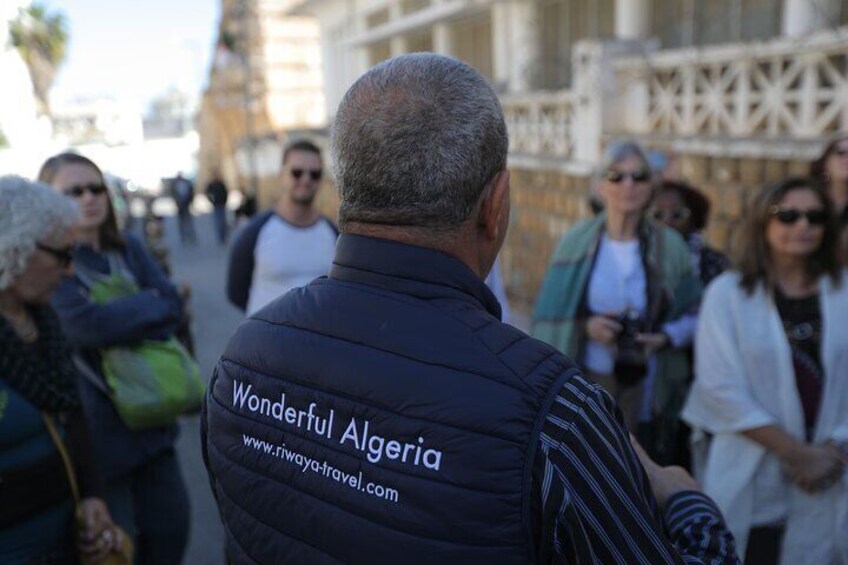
point(787, 88)
point(539, 123)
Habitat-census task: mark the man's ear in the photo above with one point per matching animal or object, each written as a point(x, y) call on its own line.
point(494, 205)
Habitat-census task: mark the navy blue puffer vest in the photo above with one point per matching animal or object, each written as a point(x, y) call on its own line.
point(381, 415)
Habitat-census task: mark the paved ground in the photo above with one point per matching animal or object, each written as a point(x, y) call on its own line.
point(203, 267)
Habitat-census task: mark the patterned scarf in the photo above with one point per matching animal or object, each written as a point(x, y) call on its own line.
point(43, 374)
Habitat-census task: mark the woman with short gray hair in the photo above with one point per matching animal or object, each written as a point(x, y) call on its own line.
point(38, 392)
point(620, 298)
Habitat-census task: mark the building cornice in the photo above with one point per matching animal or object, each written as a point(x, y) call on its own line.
point(300, 7)
point(421, 19)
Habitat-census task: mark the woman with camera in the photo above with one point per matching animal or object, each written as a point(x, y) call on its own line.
point(771, 386)
point(621, 299)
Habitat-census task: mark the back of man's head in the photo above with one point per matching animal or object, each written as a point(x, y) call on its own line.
point(415, 141)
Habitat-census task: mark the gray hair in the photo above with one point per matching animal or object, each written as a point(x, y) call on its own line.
point(29, 212)
point(616, 152)
point(415, 142)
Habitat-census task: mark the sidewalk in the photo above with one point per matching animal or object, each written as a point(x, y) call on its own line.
point(203, 267)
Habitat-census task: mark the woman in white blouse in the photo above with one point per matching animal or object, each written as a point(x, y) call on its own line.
point(771, 386)
point(620, 298)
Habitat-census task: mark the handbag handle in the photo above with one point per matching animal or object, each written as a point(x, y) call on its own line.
point(66, 459)
point(120, 554)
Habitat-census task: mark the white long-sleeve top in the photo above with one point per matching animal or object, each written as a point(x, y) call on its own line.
point(744, 380)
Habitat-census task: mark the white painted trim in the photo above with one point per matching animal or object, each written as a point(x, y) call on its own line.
point(551, 165)
point(798, 150)
point(827, 41)
point(422, 19)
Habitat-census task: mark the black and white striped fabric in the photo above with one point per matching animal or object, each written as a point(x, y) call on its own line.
point(591, 480)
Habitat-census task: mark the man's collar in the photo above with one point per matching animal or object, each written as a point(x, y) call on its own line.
point(417, 271)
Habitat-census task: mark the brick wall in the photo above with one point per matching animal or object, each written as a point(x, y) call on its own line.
point(730, 183)
point(544, 206)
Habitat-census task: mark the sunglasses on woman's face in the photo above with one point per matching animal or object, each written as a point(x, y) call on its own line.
point(63, 256)
point(616, 177)
point(314, 174)
point(670, 215)
point(789, 216)
point(78, 190)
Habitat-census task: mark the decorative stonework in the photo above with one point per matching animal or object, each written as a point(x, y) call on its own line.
point(539, 123)
point(785, 88)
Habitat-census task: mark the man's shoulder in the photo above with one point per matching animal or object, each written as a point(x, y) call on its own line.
point(355, 308)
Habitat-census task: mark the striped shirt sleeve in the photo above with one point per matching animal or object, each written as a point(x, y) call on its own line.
point(594, 501)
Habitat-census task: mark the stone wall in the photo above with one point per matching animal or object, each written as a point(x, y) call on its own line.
point(730, 183)
point(544, 206)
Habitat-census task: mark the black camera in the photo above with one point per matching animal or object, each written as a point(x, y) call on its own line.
point(631, 361)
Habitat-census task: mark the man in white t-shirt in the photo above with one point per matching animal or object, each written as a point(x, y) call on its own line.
point(288, 246)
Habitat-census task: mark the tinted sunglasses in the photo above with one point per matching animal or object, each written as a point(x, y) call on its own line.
point(670, 215)
point(617, 176)
point(314, 174)
point(63, 256)
point(80, 189)
point(790, 216)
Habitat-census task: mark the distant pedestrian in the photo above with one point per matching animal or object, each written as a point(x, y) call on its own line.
point(246, 209)
point(182, 191)
point(286, 247)
point(217, 193)
point(771, 383)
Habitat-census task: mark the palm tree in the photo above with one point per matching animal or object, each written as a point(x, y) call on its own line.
point(41, 39)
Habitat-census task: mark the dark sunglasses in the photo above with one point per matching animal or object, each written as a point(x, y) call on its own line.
point(670, 215)
point(617, 176)
point(78, 190)
point(313, 174)
point(790, 216)
point(64, 256)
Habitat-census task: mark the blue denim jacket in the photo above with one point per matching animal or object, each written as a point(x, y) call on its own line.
point(153, 313)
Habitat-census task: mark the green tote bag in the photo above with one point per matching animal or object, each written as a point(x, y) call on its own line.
point(150, 383)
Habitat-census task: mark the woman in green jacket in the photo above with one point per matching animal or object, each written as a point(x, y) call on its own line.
point(620, 298)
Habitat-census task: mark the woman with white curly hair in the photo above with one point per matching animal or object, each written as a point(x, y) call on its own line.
point(38, 390)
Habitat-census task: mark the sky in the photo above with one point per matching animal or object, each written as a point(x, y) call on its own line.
point(134, 50)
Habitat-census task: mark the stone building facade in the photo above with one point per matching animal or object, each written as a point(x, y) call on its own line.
point(742, 91)
point(265, 79)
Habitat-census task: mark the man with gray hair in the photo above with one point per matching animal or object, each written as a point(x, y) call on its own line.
point(384, 414)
